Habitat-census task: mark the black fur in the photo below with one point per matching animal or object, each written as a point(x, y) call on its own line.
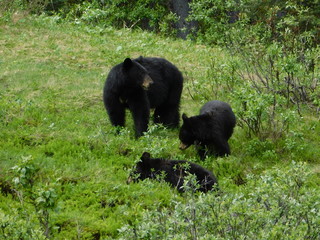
point(209, 131)
point(124, 89)
point(174, 172)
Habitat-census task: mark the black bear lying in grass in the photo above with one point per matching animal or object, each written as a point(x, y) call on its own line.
point(174, 172)
point(209, 131)
point(139, 85)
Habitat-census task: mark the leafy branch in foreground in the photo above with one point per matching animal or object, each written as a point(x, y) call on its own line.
point(26, 187)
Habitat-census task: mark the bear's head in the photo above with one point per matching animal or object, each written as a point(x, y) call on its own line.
point(136, 73)
point(144, 168)
point(186, 134)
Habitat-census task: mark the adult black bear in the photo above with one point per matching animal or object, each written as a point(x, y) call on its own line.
point(174, 172)
point(209, 131)
point(139, 85)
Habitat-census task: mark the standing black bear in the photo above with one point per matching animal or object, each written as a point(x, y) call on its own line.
point(209, 131)
point(175, 171)
point(141, 84)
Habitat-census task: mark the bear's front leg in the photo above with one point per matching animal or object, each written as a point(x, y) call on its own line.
point(115, 109)
point(201, 149)
point(140, 112)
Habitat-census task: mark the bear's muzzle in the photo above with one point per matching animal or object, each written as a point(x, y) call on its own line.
point(183, 146)
point(147, 81)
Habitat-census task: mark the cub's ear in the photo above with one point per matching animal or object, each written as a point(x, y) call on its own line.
point(145, 157)
point(127, 63)
point(184, 117)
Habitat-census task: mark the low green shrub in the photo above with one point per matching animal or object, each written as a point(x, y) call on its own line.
point(276, 205)
point(29, 190)
point(152, 15)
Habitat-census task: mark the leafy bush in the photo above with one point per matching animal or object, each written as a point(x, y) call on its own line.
point(31, 6)
point(218, 80)
point(215, 19)
point(277, 205)
point(152, 15)
point(267, 20)
point(276, 46)
point(292, 75)
point(275, 66)
point(146, 14)
point(262, 114)
point(17, 226)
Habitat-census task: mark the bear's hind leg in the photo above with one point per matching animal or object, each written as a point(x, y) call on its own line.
point(222, 148)
point(168, 112)
point(167, 115)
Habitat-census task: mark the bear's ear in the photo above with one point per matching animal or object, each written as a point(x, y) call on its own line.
point(127, 63)
point(145, 157)
point(184, 117)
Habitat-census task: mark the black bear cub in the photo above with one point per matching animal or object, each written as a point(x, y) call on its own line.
point(209, 131)
point(174, 172)
point(142, 84)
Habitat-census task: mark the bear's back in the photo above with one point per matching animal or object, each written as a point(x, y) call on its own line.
point(215, 107)
point(166, 79)
point(221, 114)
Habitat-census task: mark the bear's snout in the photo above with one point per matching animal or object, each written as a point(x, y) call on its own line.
point(183, 146)
point(129, 180)
point(147, 81)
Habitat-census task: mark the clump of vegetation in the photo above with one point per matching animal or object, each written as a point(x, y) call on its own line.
point(260, 21)
point(276, 204)
point(26, 190)
point(275, 59)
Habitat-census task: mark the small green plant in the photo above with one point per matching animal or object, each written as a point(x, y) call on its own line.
point(42, 198)
point(13, 226)
point(45, 201)
point(153, 141)
point(25, 176)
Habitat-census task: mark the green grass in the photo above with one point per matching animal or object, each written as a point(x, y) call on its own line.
point(51, 80)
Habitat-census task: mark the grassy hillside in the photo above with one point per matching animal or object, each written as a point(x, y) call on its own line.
point(63, 168)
